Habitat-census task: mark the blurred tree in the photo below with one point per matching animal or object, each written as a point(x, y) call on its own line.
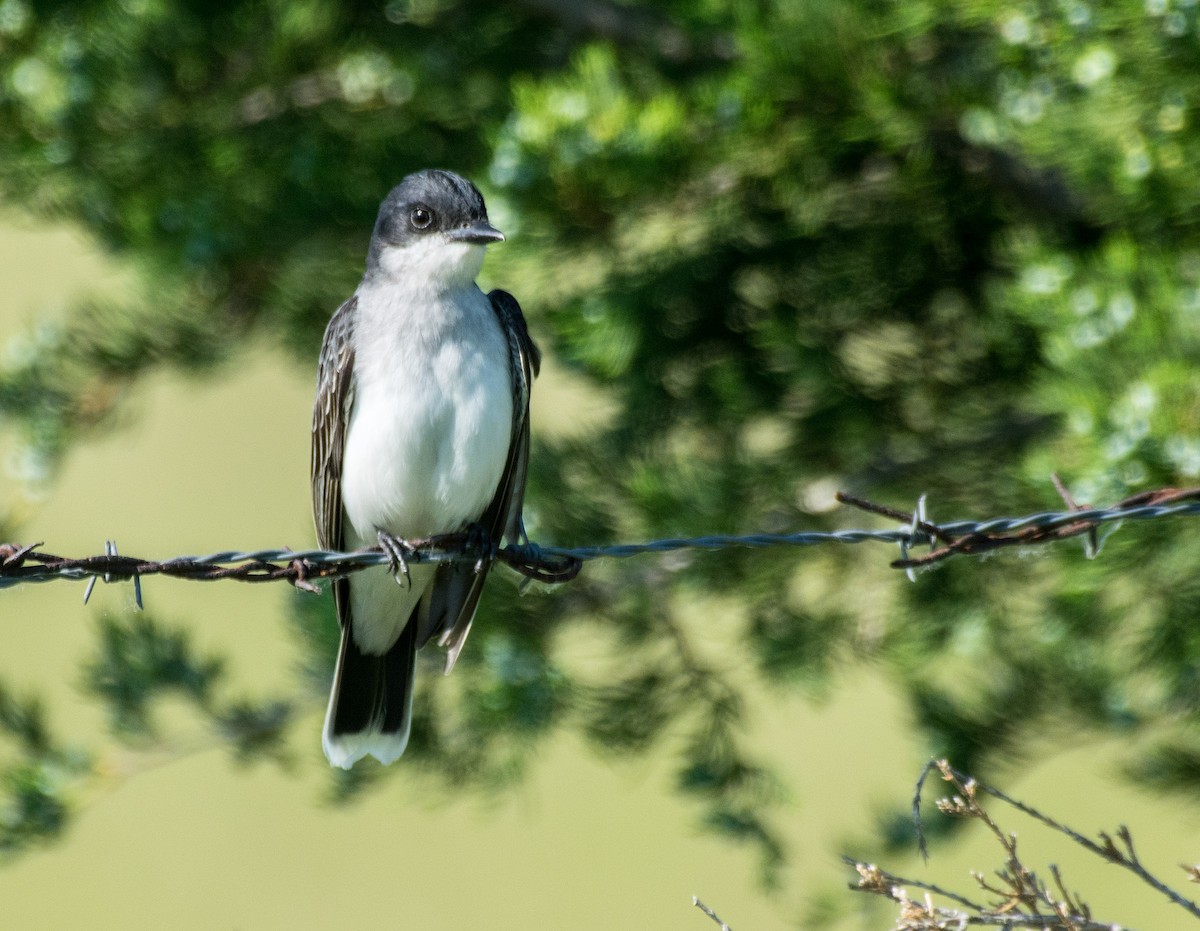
point(802, 244)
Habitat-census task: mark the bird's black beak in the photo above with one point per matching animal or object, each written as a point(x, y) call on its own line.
point(480, 232)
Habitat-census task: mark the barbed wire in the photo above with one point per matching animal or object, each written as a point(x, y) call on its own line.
point(553, 564)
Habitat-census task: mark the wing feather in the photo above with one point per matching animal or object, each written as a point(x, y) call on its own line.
point(331, 416)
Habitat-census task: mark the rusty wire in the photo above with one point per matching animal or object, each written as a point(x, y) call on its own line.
point(29, 563)
point(963, 538)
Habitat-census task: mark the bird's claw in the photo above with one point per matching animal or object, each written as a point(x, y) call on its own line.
point(398, 552)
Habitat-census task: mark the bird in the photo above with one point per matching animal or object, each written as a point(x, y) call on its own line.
point(420, 427)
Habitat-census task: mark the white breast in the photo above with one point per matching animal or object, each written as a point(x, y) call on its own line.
point(432, 418)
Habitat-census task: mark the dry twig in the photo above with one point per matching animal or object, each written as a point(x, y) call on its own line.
point(710, 913)
point(1018, 897)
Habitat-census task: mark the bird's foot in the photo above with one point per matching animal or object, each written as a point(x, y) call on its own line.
point(480, 542)
point(398, 553)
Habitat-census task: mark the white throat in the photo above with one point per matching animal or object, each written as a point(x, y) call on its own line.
point(438, 263)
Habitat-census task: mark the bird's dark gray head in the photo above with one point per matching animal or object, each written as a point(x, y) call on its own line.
point(433, 224)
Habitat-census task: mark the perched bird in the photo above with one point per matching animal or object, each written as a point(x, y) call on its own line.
point(420, 427)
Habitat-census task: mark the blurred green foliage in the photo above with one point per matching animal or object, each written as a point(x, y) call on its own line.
point(35, 787)
point(137, 658)
point(942, 246)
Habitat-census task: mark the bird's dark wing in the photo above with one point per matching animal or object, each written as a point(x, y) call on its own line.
point(331, 417)
point(525, 360)
point(456, 591)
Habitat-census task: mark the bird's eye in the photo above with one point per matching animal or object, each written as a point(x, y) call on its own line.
point(421, 218)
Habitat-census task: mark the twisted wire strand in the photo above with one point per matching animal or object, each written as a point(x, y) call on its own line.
point(1047, 520)
point(555, 564)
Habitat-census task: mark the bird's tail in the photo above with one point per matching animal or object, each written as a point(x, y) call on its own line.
point(370, 705)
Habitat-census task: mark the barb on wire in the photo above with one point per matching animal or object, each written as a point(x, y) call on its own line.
point(555, 565)
point(30, 564)
point(965, 538)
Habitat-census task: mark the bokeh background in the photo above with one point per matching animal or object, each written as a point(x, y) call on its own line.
point(771, 250)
